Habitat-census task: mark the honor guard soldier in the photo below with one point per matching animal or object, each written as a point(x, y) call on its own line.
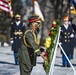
point(67, 33)
point(30, 47)
point(16, 32)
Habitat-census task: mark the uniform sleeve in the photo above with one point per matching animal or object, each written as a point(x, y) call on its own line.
point(72, 31)
point(23, 28)
point(61, 35)
point(74, 27)
point(32, 43)
point(11, 32)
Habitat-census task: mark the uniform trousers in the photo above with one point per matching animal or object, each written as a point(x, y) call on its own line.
point(15, 58)
point(24, 61)
point(64, 60)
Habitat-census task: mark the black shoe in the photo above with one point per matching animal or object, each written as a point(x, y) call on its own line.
point(68, 65)
point(16, 63)
point(63, 65)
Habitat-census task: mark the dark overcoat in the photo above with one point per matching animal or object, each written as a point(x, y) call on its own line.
point(66, 40)
point(16, 38)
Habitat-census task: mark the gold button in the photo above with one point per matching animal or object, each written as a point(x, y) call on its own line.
point(19, 37)
point(65, 33)
point(65, 36)
point(19, 30)
point(68, 33)
point(68, 40)
point(15, 37)
point(68, 36)
point(65, 40)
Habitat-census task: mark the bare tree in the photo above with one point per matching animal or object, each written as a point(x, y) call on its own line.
point(52, 9)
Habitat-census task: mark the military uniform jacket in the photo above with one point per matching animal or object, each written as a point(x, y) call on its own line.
point(16, 35)
point(66, 40)
point(29, 49)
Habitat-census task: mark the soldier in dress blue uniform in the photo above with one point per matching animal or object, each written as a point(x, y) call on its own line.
point(16, 32)
point(67, 33)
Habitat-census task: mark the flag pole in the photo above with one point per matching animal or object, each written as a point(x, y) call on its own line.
point(69, 7)
point(33, 7)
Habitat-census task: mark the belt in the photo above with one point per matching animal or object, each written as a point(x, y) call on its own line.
point(18, 33)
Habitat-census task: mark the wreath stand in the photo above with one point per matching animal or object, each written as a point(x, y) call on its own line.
point(54, 56)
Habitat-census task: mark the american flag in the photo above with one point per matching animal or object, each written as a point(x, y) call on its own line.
point(5, 5)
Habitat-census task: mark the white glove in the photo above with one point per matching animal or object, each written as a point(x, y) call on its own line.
point(72, 35)
point(60, 43)
point(12, 41)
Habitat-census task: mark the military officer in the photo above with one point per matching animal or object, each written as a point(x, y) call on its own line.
point(30, 48)
point(67, 33)
point(16, 32)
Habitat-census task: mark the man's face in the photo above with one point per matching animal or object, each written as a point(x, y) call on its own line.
point(18, 18)
point(66, 22)
point(34, 25)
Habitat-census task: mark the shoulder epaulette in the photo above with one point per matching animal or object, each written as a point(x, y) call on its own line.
point(24, 39)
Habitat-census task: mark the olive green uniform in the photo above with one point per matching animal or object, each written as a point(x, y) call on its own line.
point(28, 52)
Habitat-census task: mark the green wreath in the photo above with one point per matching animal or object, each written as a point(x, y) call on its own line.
point(50, 44)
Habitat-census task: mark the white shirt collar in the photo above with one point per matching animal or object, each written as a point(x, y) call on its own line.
point(66, 26)
point(17, 23)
